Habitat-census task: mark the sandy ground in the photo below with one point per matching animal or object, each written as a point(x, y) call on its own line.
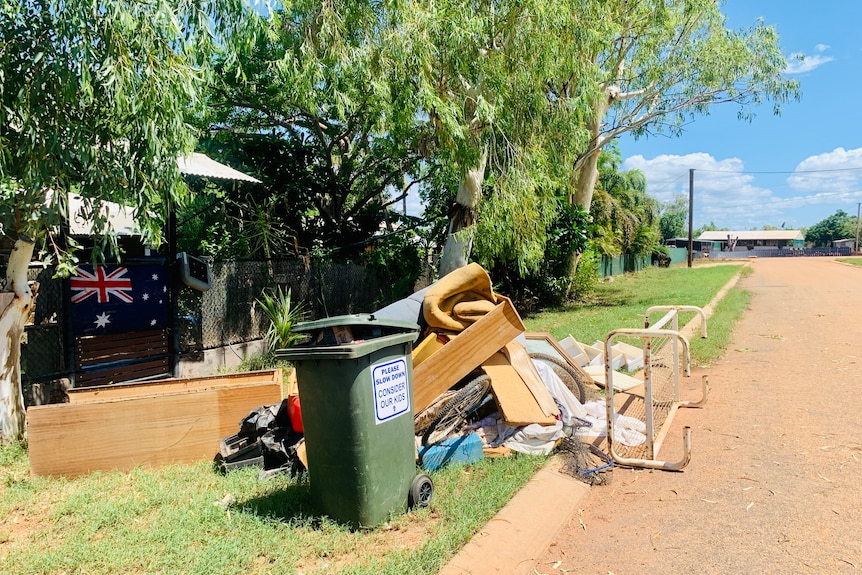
point(775, 480)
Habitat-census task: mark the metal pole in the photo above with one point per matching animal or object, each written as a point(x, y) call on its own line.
point(858, 213)
point(690, 213)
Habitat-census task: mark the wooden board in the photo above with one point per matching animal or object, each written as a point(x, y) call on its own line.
point(427, 347)
point(448, 365)
point(72, 439)
point(622, 382)
point(520, 360)
point(516, 402)
point(127, 390)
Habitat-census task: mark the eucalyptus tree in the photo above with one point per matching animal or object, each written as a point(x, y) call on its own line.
point(516, 89)
point(838, 226)
point(93, 97)
point(673, 217)
point(656, 64)
point(306, 97)
point(486, 76)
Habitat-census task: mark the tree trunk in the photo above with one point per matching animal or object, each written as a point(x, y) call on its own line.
point(588, 172)
point(15, 305)
point(462, 218)
point(587, 178)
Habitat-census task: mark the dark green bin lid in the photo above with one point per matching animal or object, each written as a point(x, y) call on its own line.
point(370, 334)
point(363, 320)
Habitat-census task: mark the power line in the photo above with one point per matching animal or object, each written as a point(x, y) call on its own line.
point(731, 172)
point(669, 184)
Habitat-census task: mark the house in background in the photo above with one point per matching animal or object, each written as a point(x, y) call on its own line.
point(750, 240)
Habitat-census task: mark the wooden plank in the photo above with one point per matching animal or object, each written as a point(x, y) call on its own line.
point(447, 366)
point(520, 360)
point(516, 402)
point(76, 438)
point(136, 389)
point(427, 347)
point(622, 382)
point(90, 347)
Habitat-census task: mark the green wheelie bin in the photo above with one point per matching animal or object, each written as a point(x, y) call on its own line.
point(355, 377)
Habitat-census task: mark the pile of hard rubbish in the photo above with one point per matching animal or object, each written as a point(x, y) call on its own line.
point(479, 387)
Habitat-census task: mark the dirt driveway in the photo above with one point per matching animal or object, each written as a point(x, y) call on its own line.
point(775, 480)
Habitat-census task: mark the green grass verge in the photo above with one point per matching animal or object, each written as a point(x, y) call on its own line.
point(167, 520)
point(622, 303)
point(852, 261)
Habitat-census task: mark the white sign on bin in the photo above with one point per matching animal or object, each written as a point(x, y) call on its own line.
point(391, 390)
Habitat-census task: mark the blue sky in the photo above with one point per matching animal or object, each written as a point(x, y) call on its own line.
point(795, 169)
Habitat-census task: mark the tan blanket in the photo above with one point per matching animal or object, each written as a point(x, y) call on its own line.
point(459, 299)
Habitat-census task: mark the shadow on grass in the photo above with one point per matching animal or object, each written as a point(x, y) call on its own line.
point(609, 296)
point(292, 503)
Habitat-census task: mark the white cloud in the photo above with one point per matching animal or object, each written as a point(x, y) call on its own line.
point(799, 63)
point(822, 47)
point(831, 177)
point(723, 194)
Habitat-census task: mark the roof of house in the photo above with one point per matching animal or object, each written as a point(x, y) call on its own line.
point(762, 235)
point(197, 164)
point(121, 217)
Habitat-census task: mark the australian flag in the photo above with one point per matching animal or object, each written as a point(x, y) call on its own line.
point(119, 299)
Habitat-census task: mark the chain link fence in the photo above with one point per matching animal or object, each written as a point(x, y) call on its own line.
point(45, 355)
point(226, 314)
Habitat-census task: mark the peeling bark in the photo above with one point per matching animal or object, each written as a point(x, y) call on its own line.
point(462, 218)
point(15, 305)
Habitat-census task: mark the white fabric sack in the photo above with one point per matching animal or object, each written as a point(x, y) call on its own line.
point(627, 430)
point(535, 439)
point(570, 407)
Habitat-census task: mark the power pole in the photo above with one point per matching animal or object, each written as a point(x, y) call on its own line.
point(858, 213)
point(690, 213)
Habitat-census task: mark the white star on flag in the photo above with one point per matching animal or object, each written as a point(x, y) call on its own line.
point(102, 320)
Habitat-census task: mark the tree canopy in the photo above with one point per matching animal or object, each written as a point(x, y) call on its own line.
point(838, 226)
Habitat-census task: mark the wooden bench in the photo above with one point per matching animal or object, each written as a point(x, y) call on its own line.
point(106, 359)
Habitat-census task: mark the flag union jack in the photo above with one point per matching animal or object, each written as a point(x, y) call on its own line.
point(101, 284)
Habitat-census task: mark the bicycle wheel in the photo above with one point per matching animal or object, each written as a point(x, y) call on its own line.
point(454, 413)
point(570, 376)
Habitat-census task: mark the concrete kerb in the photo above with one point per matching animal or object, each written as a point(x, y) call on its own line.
point(519, 534)
point(515, 538)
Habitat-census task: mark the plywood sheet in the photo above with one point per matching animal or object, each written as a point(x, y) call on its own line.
point(448, 365)
point(622, 382)
point(516, 402)
point(152, 430)
point(520, 360)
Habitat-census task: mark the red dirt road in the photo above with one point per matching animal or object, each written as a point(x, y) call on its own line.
point(775, 480)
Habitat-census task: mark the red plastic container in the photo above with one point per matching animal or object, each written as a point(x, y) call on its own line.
point(294, 413)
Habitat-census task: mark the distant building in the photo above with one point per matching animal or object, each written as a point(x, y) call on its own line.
point(845, 243)
point(734, 240)
point(698, 245)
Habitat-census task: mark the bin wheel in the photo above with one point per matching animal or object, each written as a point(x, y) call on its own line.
point(454, 414)
point(570, 376)
point(421, 491)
